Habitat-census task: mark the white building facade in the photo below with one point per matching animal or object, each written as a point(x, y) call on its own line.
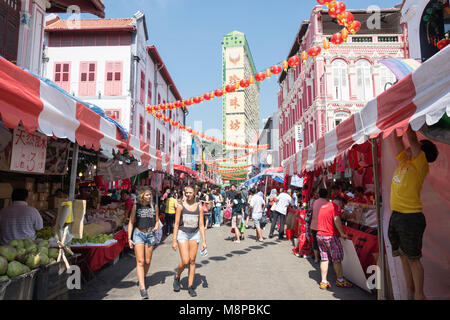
point(109, 64)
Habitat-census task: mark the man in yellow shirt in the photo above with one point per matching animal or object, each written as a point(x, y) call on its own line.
point(169, 213)
point(407, 223)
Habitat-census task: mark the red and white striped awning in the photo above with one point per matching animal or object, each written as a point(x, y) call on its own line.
point(38, 106)
point(421, 97)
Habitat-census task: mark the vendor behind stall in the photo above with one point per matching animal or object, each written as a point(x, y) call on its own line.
point(127, 201)
point(19, 221)
point(84, 193)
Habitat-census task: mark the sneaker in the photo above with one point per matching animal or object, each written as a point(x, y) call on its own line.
point(343, 284)
point(237, 241)
point(176, 284)
point(144, 294)
point(192, 292)
point(324, 285)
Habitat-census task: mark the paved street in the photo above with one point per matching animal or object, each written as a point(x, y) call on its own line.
point(245, 271)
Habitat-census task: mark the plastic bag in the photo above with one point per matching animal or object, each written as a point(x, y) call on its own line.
point(227, 213)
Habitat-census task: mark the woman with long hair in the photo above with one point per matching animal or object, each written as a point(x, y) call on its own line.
point(189, 225)
point(142, 234)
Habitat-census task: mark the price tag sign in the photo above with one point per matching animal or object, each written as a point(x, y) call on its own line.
point(28, 152)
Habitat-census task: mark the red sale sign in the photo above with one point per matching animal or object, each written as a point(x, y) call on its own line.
point(28, 151)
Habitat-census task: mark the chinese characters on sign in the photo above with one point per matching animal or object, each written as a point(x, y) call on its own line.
point(29, 152)
point(235, 125)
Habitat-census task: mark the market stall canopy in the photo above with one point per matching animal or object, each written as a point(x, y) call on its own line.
point(273, 170)
point(422, 97)
point(401, 67)
point(40, 105)
point(277, 176)
point(86, 6)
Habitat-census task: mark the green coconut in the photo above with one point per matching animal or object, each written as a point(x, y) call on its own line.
point(43, 250)
point(44, 259)
point(31, 248)
point(16, 244)
point(4, 278)
point(33, 261)
point(3, 266)
point(27, 242)
point(15, 269)
point(43, 243)
point(8, 252)
point(53, 253)
point(21, 255)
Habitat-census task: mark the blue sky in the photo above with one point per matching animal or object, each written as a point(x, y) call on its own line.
point(188, 35)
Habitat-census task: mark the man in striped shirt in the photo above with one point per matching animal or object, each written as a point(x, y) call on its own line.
point(19, 221)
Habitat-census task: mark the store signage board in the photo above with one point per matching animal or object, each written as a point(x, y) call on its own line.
point(351, 265)
point(28, 152)
point(299, 144)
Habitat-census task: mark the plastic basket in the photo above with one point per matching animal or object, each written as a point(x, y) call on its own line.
point(49, 284)
point(3, 285)
point(21, 287)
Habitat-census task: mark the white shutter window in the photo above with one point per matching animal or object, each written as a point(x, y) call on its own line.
point(340, 79)
point(364, 80)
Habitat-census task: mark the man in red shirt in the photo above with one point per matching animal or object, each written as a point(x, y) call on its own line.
point(329, 229)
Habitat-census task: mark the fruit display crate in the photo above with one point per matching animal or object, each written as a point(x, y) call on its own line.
point(49, 284)
point(3, 285)
point(21, 287)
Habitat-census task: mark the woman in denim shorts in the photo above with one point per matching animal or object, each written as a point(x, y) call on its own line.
point(189, 225)
point(143, 238)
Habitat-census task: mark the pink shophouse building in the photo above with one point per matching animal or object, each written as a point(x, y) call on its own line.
point(318, 95)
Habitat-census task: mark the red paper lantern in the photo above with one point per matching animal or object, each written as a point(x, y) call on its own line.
point(182, 175)
point(187, 102)
point(218, 93)
point(340, 7)
point(322, 2)
point(337, 39)
point(245, 83)
point(196, 100)
point(177, 104)
point(276, 69)
point(443, 43)
point(207, 96)
point(314, 51)
point(189, 130)
point(156, 108)
point(175, 123)
point(294, 61)
point(230, 88)
point(260, 76)
point(354, 27)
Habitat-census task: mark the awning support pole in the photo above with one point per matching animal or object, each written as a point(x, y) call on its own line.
point(381, 293)
point(73, 172)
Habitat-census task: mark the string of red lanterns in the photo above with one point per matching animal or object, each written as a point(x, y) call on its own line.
point(336, 9)
point(235, 159)
point(228, 167)
point(205, 137)
point(229, 171)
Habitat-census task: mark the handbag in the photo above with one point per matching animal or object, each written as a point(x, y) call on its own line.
point(308, 216)
point(227, 213)
point(204, 208)
point(242, 230)
point(263, 221)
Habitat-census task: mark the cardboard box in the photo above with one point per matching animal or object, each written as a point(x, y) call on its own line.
point(43, 187)
point(34, 197)
point(27, 183)
point(6, 190)
point(43, 196)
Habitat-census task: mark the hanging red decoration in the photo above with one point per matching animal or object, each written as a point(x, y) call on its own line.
point(337, 39)
point(344, 34)
point(304, 56)
point(285, 66)
point(294, 61)
point(340, 7)
point(251, 80)
point(354, 27)
point(197, 100)
point(314, 51)
point(276, 69)
point(218, 93)
point(260, 76)
point(207, 96)
point(229, 88)
point(326, 44)
point(268, 74)
point(245, 83)
point(443, 43)
point(182, 175)
point(322, 2)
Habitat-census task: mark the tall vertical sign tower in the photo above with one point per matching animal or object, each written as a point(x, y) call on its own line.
point(240, 110)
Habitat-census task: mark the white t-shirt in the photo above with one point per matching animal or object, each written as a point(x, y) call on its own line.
point(257, 204)
point(284, 200)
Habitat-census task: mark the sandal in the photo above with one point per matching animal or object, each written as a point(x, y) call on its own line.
point(324, 285)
